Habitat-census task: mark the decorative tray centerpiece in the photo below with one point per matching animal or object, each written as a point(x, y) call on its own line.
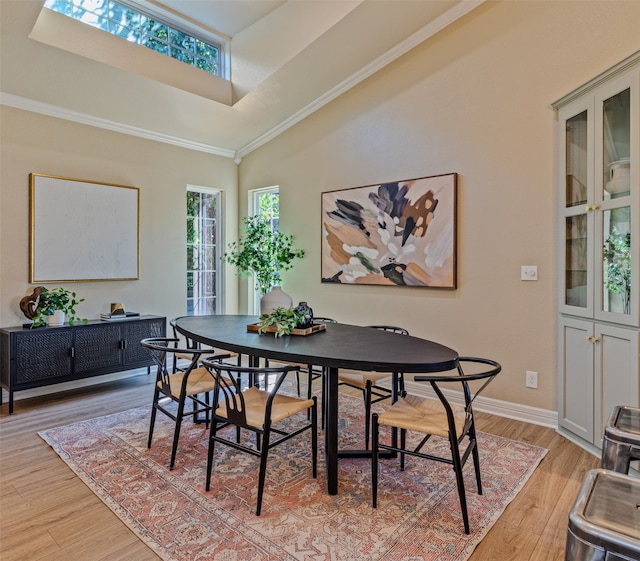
point(315, 328)
point(288, 321)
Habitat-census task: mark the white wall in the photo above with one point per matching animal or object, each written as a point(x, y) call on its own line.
point(47, 145)
point(473, 100)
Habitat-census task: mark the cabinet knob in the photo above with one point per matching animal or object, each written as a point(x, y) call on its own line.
point(591, 207)
point(592, 339)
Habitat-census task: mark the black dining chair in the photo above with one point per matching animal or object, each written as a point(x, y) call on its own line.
point(313, 372)
point(436, 417)
point(259, 411)
point(189, 387)
point(182, 341)
point(367, 383)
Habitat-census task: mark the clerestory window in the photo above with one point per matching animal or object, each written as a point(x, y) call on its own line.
point(136, 26)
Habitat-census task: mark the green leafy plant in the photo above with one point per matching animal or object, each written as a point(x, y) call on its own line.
point(54, 299)
point(263, 252)
point(285, 320)
point(617, 265)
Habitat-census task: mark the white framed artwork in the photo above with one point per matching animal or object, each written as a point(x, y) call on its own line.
point(82, 230)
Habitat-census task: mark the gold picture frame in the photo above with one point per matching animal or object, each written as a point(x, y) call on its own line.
point(82, 230)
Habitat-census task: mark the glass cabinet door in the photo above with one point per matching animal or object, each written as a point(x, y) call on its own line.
point(614, 217)
point(600, 201)
point(577, 176)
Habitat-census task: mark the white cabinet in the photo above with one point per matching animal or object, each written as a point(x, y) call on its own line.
point(599, 370)
point(598, 218)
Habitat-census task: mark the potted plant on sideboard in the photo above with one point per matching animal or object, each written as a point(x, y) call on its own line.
point(54, 306)
point(264, 252)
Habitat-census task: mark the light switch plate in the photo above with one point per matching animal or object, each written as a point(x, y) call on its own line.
point(529, 272)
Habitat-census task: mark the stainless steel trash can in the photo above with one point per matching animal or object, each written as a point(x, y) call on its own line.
point(621, 442)
point(604, 522)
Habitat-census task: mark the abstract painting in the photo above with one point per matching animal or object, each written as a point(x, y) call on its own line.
point(401, 233)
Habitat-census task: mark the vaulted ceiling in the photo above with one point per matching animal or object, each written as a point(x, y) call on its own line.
point(288, 58)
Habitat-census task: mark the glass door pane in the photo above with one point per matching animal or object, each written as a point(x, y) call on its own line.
point(576, 160)
point(616, 141)
point(576, 261)
point(616, 260)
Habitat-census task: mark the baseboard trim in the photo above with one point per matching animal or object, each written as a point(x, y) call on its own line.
point(74, 384)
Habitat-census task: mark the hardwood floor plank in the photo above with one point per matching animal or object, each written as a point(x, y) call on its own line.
point(506, 542)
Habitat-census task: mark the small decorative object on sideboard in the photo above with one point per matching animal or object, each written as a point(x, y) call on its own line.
point(119, 317)
point(52, 307)
point(118, 313)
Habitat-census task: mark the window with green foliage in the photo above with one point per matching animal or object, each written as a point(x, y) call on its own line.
point(203, 224)
point(121, 19)
point(266, 204)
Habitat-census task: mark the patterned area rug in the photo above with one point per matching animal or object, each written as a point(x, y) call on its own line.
point(418, 516)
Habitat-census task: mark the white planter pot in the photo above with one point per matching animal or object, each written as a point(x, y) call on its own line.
point(56, 319)
point(273, 299)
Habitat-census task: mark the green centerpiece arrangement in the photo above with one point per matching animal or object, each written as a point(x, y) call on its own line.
point(285, 320)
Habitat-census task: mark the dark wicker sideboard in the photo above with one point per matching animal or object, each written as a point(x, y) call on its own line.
point(31, 358)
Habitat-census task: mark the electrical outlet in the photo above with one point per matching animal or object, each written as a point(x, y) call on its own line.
point(531, 380)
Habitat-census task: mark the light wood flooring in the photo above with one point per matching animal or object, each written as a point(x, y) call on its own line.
point(48, 514)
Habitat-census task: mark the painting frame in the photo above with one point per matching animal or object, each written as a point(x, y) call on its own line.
point(398, 233)
point(82, 231)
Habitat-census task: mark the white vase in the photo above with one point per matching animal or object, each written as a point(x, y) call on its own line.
point(275, 298)
point(56, 319)
point(620, 177)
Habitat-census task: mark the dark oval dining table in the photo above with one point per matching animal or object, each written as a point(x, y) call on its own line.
point(338, 346)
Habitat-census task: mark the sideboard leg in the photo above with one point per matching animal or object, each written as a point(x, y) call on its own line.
point(10, 402)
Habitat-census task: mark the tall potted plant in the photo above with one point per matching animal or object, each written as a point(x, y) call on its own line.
point(263, 253)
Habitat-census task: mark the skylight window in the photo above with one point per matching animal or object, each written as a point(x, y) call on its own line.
point(143, 29)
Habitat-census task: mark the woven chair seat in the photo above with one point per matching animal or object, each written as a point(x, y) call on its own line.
point(360, 379)
point(422, 415)
point(200, 381)
point(255, 400)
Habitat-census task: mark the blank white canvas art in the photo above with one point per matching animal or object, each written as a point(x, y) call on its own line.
point(83, 231)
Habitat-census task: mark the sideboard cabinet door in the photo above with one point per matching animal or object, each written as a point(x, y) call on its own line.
point(97, 348)
point(29, 349)
point(132, 333)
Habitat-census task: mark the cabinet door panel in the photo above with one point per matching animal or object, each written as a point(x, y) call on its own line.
point(97, 348)
point(575, 196)
point(133, 333)
point(575, 396)
point(30, 348)
point(616, 359)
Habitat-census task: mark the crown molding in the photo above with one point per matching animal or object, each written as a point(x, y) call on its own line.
point(50, 110)
point(449, 17)
point(405, 46)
